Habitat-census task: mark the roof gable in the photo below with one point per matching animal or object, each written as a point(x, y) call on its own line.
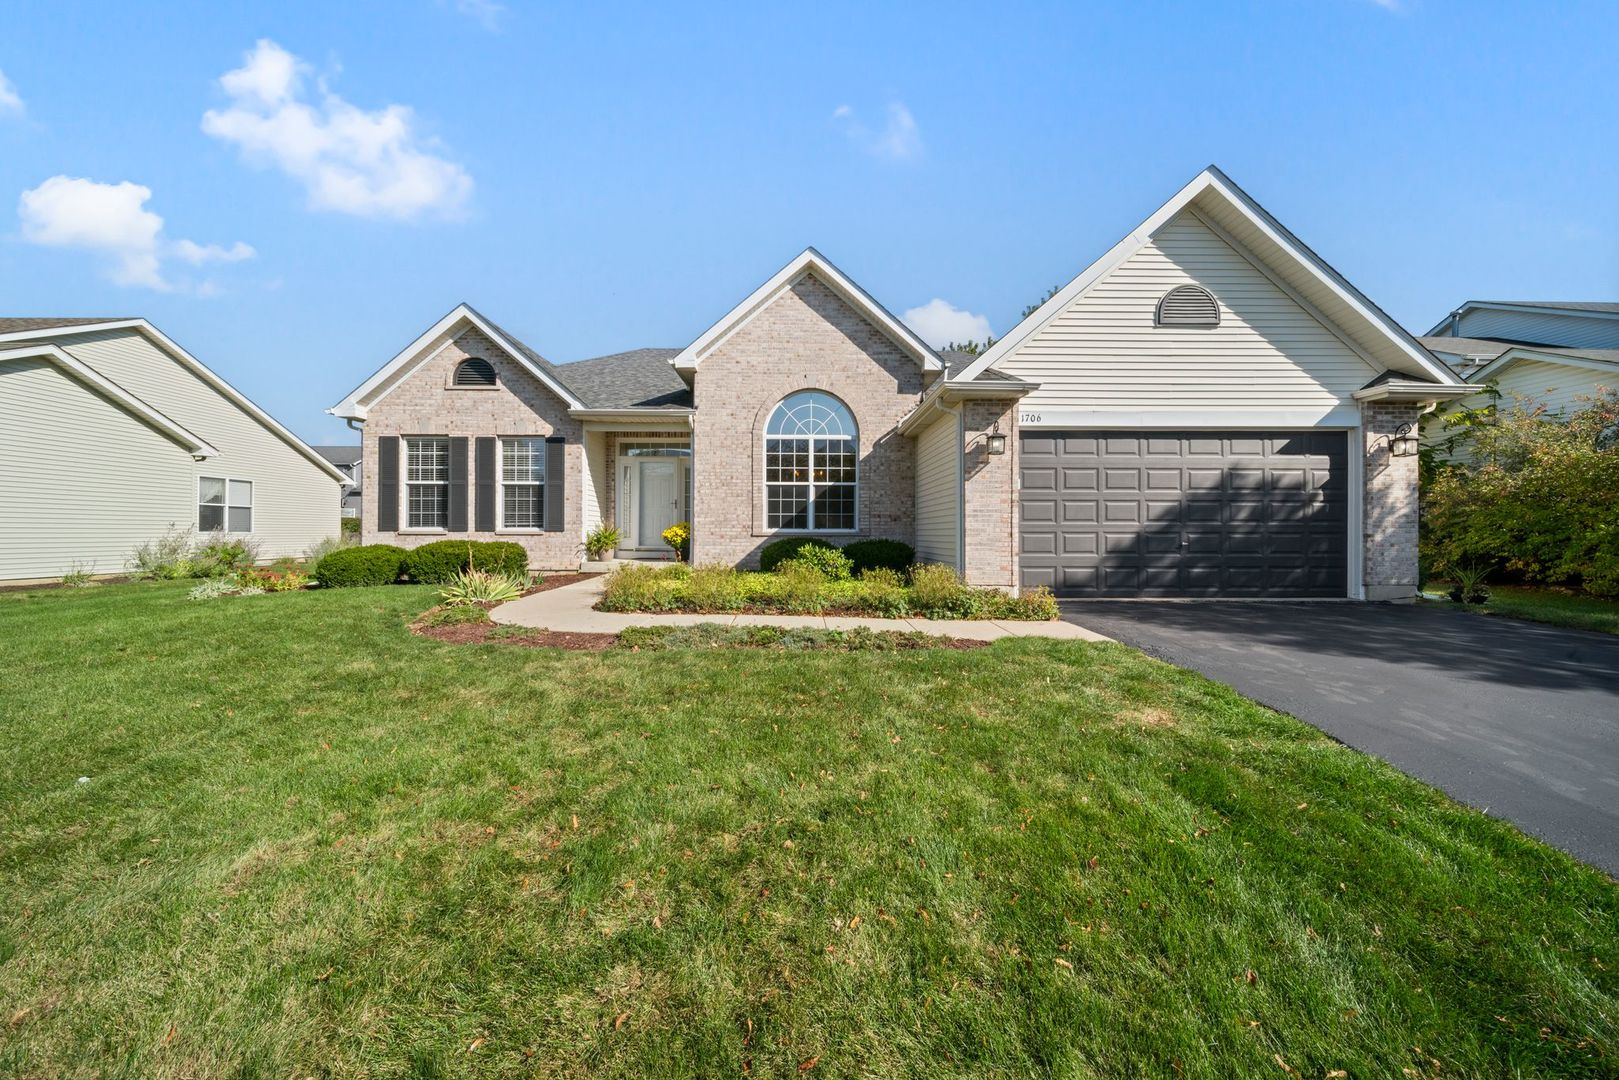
point(1251, 230)
point(391, 374)
point(1587, 359)
point(167, 345)
point(100, 384)
point(809, 261)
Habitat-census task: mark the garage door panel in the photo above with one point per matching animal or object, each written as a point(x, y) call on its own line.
point(1185, 513)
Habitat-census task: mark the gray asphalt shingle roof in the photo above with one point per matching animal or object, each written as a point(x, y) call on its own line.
point(339, 455)
point(1490, 348)
point(639, 378)
point(23, 325)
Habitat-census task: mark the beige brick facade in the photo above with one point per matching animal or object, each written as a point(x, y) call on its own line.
point(425, 403)
point(807, 338)
point(1389, 515)
point(990, 495)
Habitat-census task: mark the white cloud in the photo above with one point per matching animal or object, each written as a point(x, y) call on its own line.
point(353, 161)
point(112, 220)
point(487, 13)
point(10, 100)
point(898, 140)
point(938, 322)
point(197, 254)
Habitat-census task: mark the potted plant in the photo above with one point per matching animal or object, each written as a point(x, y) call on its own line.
point(601, 542)
point(1467, 584)
point(678, 536)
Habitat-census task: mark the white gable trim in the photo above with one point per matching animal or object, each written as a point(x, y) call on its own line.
point(1519, 353)
point(84, 373)
point(362, 397)
point(808, 261)
point(197, 367)
point(1213, 180)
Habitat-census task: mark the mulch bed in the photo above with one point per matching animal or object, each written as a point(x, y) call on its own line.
point(556, 581)
point(478, 634)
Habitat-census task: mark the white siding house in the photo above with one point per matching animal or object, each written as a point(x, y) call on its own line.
point(113, 434)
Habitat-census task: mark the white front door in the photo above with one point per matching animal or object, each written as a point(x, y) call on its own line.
point(656, 499)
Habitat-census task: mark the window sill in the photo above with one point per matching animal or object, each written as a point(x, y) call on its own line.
point(423, 532)
point(520, 532)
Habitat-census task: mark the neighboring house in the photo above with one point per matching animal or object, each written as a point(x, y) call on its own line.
point(1207, 410)
point(1541, 352)
point(347, 460)
point(112, 434)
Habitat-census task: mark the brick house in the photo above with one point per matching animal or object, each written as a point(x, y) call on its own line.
point(1207, 410)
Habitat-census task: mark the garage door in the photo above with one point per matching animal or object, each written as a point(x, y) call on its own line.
point(1185, 513)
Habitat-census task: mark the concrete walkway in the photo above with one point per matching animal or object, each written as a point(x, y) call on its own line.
point(571, 610)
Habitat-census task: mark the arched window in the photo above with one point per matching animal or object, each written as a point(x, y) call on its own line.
point(812, 449)
point(475, 372)
point(1187, 305)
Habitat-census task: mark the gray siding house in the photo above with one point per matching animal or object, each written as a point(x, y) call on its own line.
point(1208, 409)
point(112, 434)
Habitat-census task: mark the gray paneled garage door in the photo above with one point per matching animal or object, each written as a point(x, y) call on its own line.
point(1185, 513)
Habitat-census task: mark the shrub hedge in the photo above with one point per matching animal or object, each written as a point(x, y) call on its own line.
point(370, 564)
point(879, 555)
point(439, 562)
point(779, 551)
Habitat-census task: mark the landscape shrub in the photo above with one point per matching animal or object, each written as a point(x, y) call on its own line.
point(82, 576)
point(799, 588)
point(482, 587)
point(830, 563)
point(879, 555)
point(714, 588)
point(779, 551)
point(1534, 500)
point(166, 557)
point(272, 580)
point(638, 588)
point(369, 564)
point(218, 558)
point(439, 562)
point(215, 587)
point(322, 548)
point(350, 527)
point(937, 592)
point(1033, 605)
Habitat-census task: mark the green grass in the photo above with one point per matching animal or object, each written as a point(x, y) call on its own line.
point(312, 844)
point(1556, 606)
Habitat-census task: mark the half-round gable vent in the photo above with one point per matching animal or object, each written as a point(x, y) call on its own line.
point(475, 372)
point(1187, 305)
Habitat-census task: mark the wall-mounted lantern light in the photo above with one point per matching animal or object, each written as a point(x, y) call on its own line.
point(1404, 442)
point(995, 442)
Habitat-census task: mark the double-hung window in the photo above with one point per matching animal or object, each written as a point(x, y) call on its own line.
point(522, 483)
point(427, 483)
point(224, 505)
point(811, 470)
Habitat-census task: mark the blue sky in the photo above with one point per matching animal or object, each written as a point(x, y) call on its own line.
point(600, 181)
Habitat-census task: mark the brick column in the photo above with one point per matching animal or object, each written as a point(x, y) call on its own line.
point(990, 496)
point(1389, 516)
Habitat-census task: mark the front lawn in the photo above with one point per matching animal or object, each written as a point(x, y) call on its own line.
point(1557, 606)
point(308, 842)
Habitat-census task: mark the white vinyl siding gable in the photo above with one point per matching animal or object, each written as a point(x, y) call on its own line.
point(1542, 328)
point(83, 481)
point(1268, 352)
point(294, 502)
point(938, 492)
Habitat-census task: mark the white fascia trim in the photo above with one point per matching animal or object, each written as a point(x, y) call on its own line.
point(1517, 353)
point(944, 396)
point(358, 403)
point(1335, 416)
point(1414, 391)
point(1212, 179)
point(808, 260)
point(1486, 305)
point(78, 369)
point(681, 417)
point(198, 368)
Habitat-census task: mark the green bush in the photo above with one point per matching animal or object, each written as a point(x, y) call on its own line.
point(779, 551)
point(1533, 500)
point(351, 527)
point(830, 563)
point(217, 558)
point(166, 557)
point(439, 562)
point(937, 592)
point(799, 588)
point(714, 588)
point(482, 587)
point(642, 588)
point(1031, 605)
point(880, 555)
point(371, 564)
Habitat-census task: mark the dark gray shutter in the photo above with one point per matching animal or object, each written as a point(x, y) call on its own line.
point(556, 482)
point(457, 491)
point(483, 484)
point(388, 483)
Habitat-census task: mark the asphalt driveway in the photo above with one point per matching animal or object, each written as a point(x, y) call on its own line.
point(1516, 718)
